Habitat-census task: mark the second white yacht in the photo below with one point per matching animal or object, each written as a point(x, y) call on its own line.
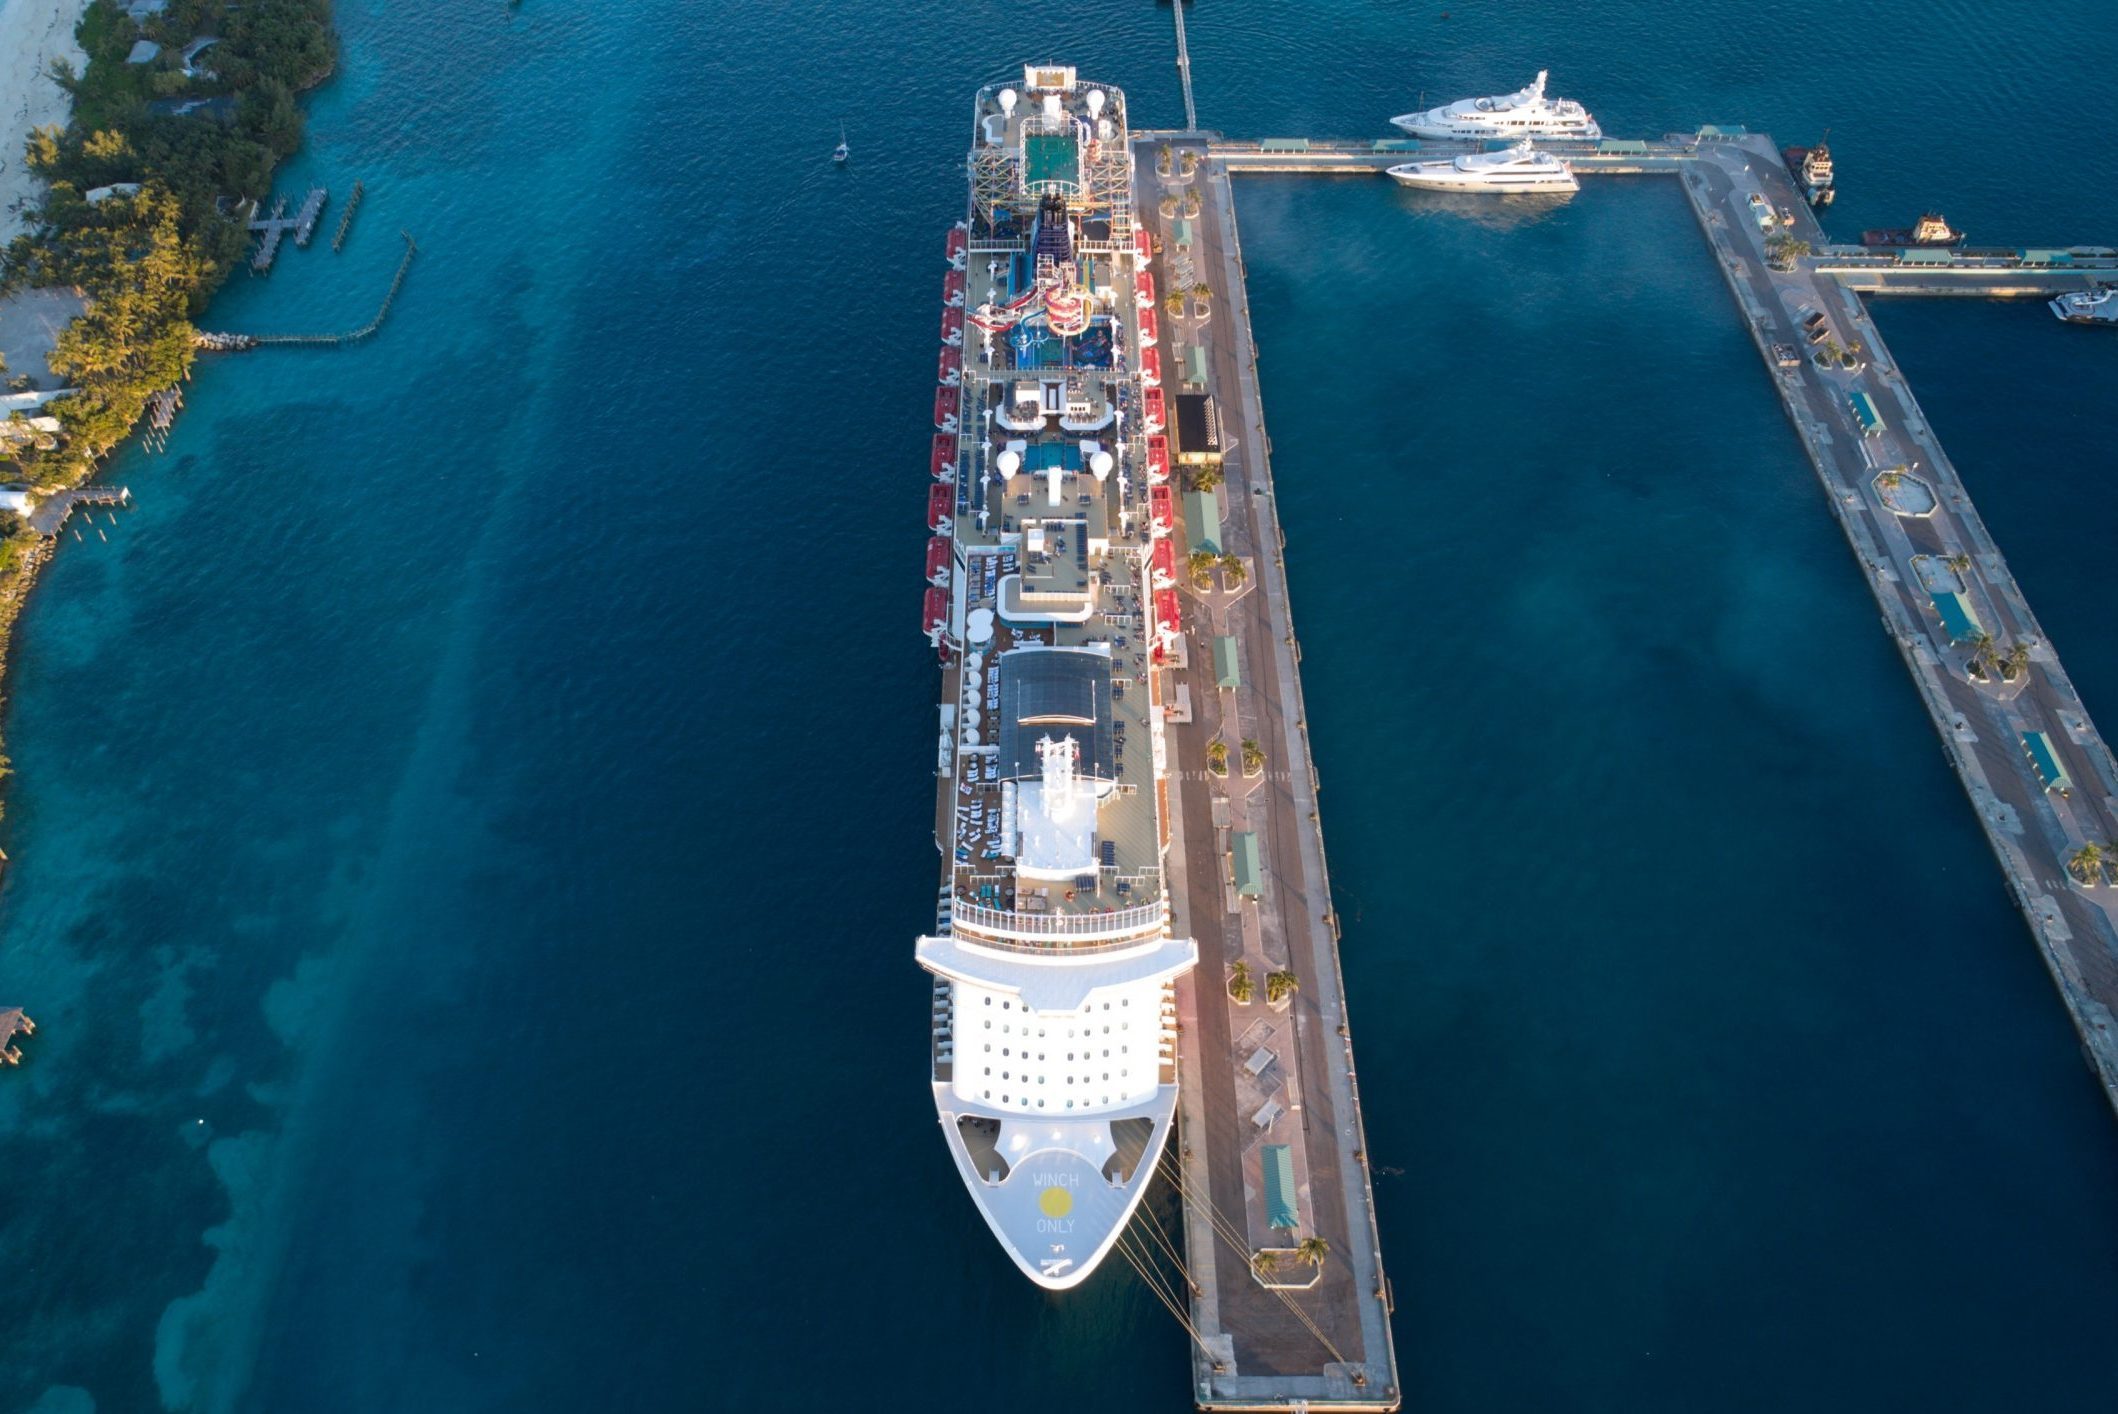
point(1527, 113)
point(1518, 170)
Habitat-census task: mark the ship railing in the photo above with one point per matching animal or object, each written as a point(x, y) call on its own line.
point(1036, 932)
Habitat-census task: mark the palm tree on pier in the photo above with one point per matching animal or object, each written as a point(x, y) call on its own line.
point(2017, 662)
point(1233, 572)
point(1280, 984)
point(1201, 563)
point(1265, 1264)
point(1314, 1250)
point(2086, 864)
point(1985, 658)
point(1240, 985)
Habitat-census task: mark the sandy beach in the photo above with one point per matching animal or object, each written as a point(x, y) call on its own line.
point(32, 34)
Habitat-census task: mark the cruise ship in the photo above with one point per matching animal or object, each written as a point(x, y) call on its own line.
point(1527, 113)
point(1051, 605)
point(1520, 170)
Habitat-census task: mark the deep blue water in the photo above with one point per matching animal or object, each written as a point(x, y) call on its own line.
point(470, 827)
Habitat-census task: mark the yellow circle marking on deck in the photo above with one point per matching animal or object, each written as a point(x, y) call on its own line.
point(1056, 1202)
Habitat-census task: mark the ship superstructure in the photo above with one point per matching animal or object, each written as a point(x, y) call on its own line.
point(1051, 605)
point(1524, 113)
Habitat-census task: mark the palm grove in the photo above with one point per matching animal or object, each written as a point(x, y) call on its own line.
point(148, 260)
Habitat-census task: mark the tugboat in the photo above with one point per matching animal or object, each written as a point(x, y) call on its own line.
point(1812, 169)
point(1931, 231)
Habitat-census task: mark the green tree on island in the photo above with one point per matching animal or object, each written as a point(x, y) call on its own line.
point(1314, 1250)
point(1240, 985)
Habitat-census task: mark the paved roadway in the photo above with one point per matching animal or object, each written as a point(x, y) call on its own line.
point(1272, 1359)
point(2032, 831)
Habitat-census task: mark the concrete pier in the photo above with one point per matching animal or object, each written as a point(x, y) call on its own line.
point(1247, 860)
point(2039, 774)
point(1271, 1150)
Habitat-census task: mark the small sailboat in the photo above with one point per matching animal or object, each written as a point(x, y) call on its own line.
point(840, 153)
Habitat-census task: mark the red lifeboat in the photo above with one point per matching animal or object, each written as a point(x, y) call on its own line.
point(1154, 411)
point(1169, 614)
point(959, 242)
point(1157, 459)
point(1144, 245)
point(951, 325)
point(938, 559)
point(1165, 563)
point(1161, 511)
point(1151, 367)
point(951, 364)
point(945, 404)
point(1149, 328)
point(952, 288)
point(1144, 290)
point(937, 613)
point(944, 455)
point(941, 508)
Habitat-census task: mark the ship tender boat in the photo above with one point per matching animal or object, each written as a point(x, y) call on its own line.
point(1812, 171)
point(1527, 113)
point(1519, 170)
point(1930, 230)
point(2097, 306)
point(1053, 1047)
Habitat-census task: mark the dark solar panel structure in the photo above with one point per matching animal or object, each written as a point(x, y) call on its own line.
point(1055, 692)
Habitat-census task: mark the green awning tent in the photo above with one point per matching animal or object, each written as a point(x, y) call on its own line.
point(1957, 619)
point(1249, 877)
point(1279, 1187)
point(1227, 671)
point(1202, 520)
point(2038, 747)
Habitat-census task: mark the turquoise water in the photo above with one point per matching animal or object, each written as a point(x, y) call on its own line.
point(466, 853)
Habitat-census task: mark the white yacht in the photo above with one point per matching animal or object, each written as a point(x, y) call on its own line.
point(2098, 306)
point(1518, 170)
point(1051, 602)
point(1525, 114)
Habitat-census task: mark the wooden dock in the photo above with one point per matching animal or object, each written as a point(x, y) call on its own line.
point(238, 343)
point(51, 512)
point(345, 217)
point(13, 1022)
point(279, 225)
